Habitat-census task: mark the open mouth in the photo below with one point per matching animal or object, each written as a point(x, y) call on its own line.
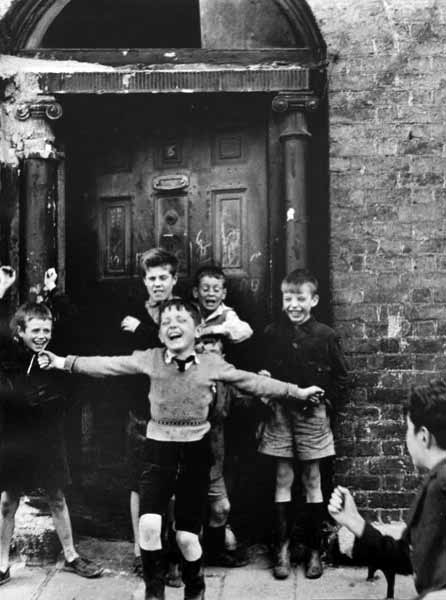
point(175, 335)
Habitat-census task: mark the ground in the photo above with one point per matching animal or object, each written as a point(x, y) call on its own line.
point(253, 582)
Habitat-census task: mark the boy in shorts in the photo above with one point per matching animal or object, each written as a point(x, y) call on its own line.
point(178, 456)
point(306, 352)
point(220, 327)
point(141, 326)
point(32, 446)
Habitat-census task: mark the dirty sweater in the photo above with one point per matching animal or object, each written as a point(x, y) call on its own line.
point(179, 401)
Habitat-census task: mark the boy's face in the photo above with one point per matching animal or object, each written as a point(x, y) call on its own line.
point(159, 283)
point(37, 333)
point(417, 444)
point(210, 293)
point(298, 302)
point(177, 331)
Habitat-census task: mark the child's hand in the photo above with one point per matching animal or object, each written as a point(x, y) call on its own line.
point(343, 509)
point(7, 278)
point(130, 324)
point(48, 360)
point(311, 394)
point(49, 279)
point(265, 373)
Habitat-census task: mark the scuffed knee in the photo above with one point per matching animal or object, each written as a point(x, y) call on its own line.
point(8, 507)
point(187, 541)
point(219, 512)
point(56, 501)
point(150, 531)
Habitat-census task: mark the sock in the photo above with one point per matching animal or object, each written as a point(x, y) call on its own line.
point(315, 517)
point(214, 539)
point(282, 521)
point(193, 576)
point(153, 569)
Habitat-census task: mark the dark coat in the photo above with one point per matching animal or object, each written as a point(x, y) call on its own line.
point(310, 354)
point(422, 547)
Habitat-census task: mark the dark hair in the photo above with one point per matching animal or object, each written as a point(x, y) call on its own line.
point(179, 303)
point(209, 271)
point(158, 257)
point(299, 277)
point(27, 311)
point(427, 407)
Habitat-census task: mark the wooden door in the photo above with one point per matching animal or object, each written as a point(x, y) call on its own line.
point(188, 175)
point(185, 173)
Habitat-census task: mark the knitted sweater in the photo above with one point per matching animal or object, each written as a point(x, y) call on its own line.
point(179, 401)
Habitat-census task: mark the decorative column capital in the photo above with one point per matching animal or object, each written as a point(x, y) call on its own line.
point(295, 101)
point(43, 108)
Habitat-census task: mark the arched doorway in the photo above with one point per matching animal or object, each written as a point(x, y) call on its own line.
point(174, 141)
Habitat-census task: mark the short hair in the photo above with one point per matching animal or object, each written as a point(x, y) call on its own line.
point(299, 277)
point(179, 303)
point(158, 257)
point(209, 271)
point(27, 311)
point(427, 407)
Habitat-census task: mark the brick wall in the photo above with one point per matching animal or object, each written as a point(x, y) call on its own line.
point(387, 209)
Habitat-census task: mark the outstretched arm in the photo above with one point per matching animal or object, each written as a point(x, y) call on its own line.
point(371, 546)
point(96, 366)
point(266, 387)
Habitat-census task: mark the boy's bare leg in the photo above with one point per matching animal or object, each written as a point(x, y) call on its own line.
point(62, 523)
point(153, 566)
point(134, 515)
point(284, 483)
point(8, 508)
point(193, 577)
point(311, 480)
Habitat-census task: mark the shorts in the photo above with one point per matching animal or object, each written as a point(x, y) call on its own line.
point(305, 435)
point(180, 468)
point(135, 464)
point(34, 459)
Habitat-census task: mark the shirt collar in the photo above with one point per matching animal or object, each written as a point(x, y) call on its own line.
point(169, 356)
point(217, 312)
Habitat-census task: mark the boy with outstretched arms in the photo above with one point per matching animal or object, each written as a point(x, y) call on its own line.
point(178, 454)
point(141, 327)
point(32, 444)
point(300, 349)
point(220, 328)
point(421, 550)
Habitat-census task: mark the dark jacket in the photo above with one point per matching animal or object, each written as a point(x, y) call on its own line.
point(310, 354)
point(31, 399)
point(422, 547)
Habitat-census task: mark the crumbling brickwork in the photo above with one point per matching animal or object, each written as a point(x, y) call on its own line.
point(387, 211)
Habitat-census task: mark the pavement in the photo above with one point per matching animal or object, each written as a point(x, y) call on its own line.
point(253, 582)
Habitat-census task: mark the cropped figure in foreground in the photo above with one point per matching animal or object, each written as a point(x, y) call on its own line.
point(422, 547)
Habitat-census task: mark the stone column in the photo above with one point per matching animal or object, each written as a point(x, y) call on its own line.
point(294, 137)
point(39, 207)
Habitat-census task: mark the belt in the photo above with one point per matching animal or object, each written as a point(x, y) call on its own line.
point(180, 422)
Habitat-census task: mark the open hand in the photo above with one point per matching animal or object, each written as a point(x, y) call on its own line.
point(130, 324)
point(343, 509)
point(49, 279)
point(7, 278)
